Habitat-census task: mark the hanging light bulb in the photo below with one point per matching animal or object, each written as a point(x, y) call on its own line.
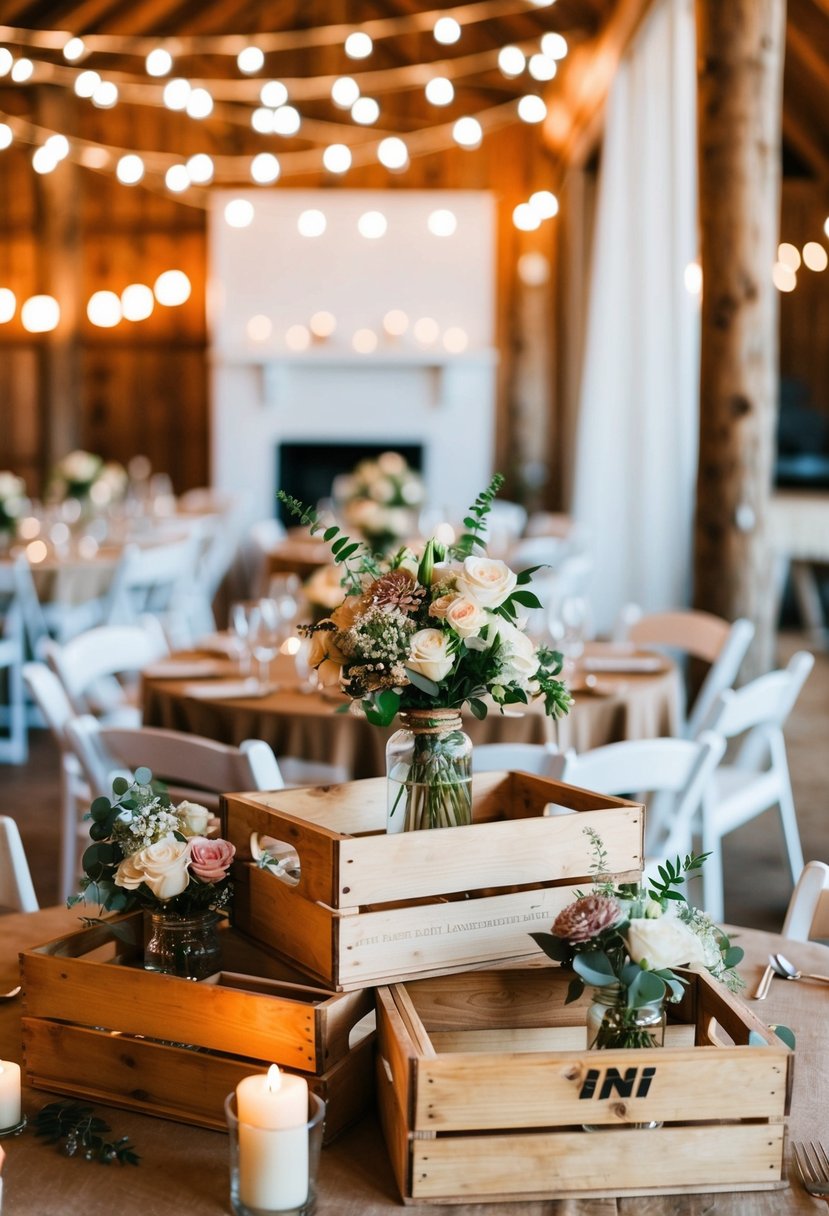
point(393, 153)
point(446, 31)
point(365, 111)
point(511, 61)
point(395, 322)
point(286, 120)
point(74, 50)
point(814, 256)
point(262, 120)
point(137, 302)
point(43, 160)
point(344, 92)
point(58, 146)
point(250, 59)
point(177, 179)
point(176, 93)
point(105, 95)
point(544, 203)
point(337, 158)
point(297, 337)
point(22, 70)
point(200, 168)
point(264, 168)
point(104, 309)
point(86, 83)
point(442, 222)
point(440, 91)
point(259, 328)
point(273, 93)
point(542, 67)
point(130, 169)
point(199, 103)
point(358, 45)
point(40, 314)
point(532, 108)
point(554, 45)
point(525, 218)
point(467, 132)
point(322, 324)
point(239, 213)
point(159, 62)
point(172, 288)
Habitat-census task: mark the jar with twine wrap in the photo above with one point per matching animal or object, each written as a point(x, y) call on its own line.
point(429, 768)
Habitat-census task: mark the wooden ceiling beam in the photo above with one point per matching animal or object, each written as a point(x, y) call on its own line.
point(801, 139)
point(576, 105)
point(807, 54)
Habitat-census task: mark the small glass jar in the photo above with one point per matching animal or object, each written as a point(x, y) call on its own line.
point(273, 1172)
point(186, 946)
point(612, 1026)
point(429, 770)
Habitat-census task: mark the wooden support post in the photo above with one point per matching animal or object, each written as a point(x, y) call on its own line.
point(740, 53)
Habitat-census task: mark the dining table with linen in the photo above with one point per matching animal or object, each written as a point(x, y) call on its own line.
point(618, 695)
point(183, 1170)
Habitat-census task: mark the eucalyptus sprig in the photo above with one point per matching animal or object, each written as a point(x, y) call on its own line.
point(474, 521)
point(353, 555)
point(81, 1129)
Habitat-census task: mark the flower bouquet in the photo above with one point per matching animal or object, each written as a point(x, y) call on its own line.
point(424, 637)
point(85, 476)
point(147, 853)
point(625, 941)
point(12, 501)
point(380, 500)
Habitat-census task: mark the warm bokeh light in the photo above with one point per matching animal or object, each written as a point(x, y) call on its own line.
point(358, 45)
point(554, 45)
point(86, 83)
point(814, 256)
point(532, 108)
point(364, 341)
point(8, 305)
point(130, 169)
point(105, 95)
point(250, 59)
point(28, 527)
point(239, 213)
point(542, 67)
point(544, 203)
point(74, 50)
point(104, 309)
point(273, 93)
point(467, 132)
point(525, 218)
point(365, 111)
point(6, 61)
point(426, 331)
point(6, 136)
point(159, 62)
point(447, 31)
point(176, 92)
point(200, 168)
point(286, 120)
point(262, 120)
point(344, 92)
point(337, 158)
point(511, 60)
point(264, 168)
point(199, 103)
point(395, 322)
point(22, 70)
point(297, 338)
point(442, 222)
point(455, 339)
point(40, 314)
point(137, 302)
point(172, 288)
point(444, 534)
point(259, 328)
point(372, 225)
point(37, 550)
point(533, 269)
point(43, 161)
point(177, 179)
point(440, 91)
point(322, 324)
point(311, 222)
point(693, 278)
point(789, 255)
point(783, 277)
point(393, 153)
point(58, 146)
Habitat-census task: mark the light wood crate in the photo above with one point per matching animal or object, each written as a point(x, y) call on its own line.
point(371, 908)
point(484, 1083)
point(97, 1026)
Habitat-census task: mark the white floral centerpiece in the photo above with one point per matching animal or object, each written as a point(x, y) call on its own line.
point(12, 500)
point(380, 500)
point(84, 476)
point(424, 638)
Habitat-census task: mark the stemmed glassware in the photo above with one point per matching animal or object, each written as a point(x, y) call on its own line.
point(265, 634)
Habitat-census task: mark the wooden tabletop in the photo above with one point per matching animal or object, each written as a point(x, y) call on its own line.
point(184, 1171)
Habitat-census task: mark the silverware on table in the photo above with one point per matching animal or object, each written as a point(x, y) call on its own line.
point(11, 994)
point(813, 1167)
point(762, 990)
point(788, 971)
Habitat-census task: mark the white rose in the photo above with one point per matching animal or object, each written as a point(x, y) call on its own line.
point(193, 817)
point(519, 660)
point(440, 606)
point(465, 616)
point(429, 654)
point(325, 587)
point(80, 466)
point(662, 943)
point(11, 486)
point(391, 463)
point(486, 581)
point(163, 866)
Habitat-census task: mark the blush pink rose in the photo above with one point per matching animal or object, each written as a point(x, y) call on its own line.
point(210, 859)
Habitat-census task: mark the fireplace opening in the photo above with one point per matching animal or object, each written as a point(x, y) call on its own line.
point(307, 470)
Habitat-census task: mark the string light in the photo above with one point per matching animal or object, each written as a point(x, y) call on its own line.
point(176, 93)
point(358, 45)
point(250, 60)
point(426, 331)
point(172, 288)
point(511, 61)
point(74, 50)
point(337, 158)
point(542, 68)
point(364, 341)
point(200, 168)
point(259, 328)
point(40, 314)
point(814, 256)
point(177, 179)
point(6, 136)
point(199, 103)
point(692, 277)
point(311, 222)
point(442, 222)
point(456, 340)
point(58, 146)
point(322, 324)
point(8, 305)
point(130, 169)
point(6, 61)
point(22, 70)
point(286, 120)
point(533, 269)
point(783, 277)
point(344, 92)
point(273, 93)
point(395, 322)
point(467, 132)
point(264, 168)
point(789, 255)
point(105, 95)
point(393, 153)
point(297, 338)
point(262, 120)
point(43, 161)
point(372, 225)
point(159, 62)
point(447, 31)
point(440, 91)
point(137, 302)
point(365, 111)
point(532, 108)
point(86, 83)
point(104, 309)
point(554, 45)
point(525, 218)
point(239, 213)
point(544, 203)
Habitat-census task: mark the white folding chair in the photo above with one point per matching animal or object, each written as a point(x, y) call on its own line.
point(156, 580)
point(263, 536)
point(808, 912)
point(88, 666)
point(669, 775)
point(16, 887)
point(14, 745)
point(50, 697)
point(181, 760)
point(700, 634)
point(758, 779)
point(542, 759)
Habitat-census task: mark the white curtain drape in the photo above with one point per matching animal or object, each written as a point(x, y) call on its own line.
point(637, 443)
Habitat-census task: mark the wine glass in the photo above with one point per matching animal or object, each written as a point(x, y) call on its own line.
point(284, 591)
point(265, 633)
point(239, 619)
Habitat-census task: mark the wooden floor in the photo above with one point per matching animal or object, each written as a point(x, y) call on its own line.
point(757, 880)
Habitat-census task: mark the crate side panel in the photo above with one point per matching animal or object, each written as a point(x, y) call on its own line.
point(316, 846)
point(561, 1164)
point(277, 915)
point(345, 810)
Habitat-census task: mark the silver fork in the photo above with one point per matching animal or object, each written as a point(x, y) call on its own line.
point(813, 1168)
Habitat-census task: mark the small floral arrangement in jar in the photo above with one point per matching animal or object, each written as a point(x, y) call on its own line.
point(625, 941)
point(425, 637)
point(12, 501)
point(84, 476)
point(380, 500)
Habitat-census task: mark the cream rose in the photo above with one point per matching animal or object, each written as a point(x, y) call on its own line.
point(465, 616)
point(665, 942)
point(440, 606)
point(194, 818)
point(486, 581)
point(429, 654)
point(163, 866)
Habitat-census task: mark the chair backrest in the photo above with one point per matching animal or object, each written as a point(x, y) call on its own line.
point(37, 628)
point(677, 767)
point(48, 693)
point(808, 912)
point(172, 756)
point(768, 700)
point(151, 577)
point(107, 650)
point(16, 887)
point(543, 759)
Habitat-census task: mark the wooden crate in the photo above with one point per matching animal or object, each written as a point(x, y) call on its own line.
point(96, 1025)
point(484, 1083)
point(370, 908)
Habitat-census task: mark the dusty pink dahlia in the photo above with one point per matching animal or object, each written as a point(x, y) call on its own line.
point(587, 918)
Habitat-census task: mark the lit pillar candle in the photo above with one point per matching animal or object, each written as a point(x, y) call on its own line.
point(273, 1140)
point(10, 1108)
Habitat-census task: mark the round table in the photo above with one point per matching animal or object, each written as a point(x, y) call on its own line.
point(184, 1170)
point(630, 705)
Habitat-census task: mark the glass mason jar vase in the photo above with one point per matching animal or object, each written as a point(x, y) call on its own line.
point(429, 769)
point(612, 1025)
point(187, 946)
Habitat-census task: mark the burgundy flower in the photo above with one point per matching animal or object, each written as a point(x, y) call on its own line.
point(209, 859)
point(587, 918)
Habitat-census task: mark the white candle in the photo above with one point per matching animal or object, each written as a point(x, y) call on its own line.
point(10, 1108)
point(273, 1140)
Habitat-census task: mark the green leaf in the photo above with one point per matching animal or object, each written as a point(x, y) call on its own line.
point(101, 807)
point(143, 776)
point(574, 990)
point(98, 831)
point(330, 533)
point(527, 599)
point(423, 683)
point(755, 1039)
point(478, 707)
point(349, 551)
point(339, 545)
point(733, 956)
point(595, 968)
point(556, 949)
point(525, 576)
point(645, 989)
point(120, 786)
point(384, 708)
point(101, 855)
point(785, 1034)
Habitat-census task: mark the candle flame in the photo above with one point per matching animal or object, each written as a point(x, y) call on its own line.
point(274, 1079)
